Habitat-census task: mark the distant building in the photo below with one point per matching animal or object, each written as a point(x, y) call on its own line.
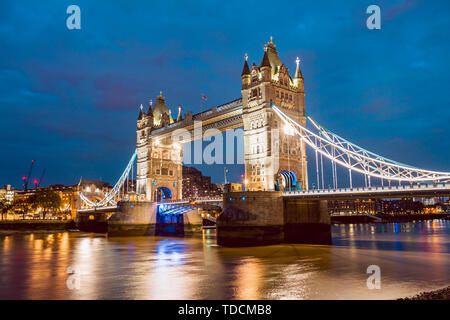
point(195, 185)
point(7, 193)
point(220, 186)
point(371, 206)
point(93, 186)
point(352, 206)
point(431, 201)
point(232, 187)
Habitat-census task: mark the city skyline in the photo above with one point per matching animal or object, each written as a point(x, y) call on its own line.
point(70, 100)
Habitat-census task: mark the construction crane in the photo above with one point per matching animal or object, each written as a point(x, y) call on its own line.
point(27, 178)
point(37, 183)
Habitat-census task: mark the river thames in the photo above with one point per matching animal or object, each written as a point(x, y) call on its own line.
point(413, 257)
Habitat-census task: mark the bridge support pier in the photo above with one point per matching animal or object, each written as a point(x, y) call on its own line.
point(135, 218)
point(263, 217)
point(193, 223)
point(92, 222)
point(141, 218)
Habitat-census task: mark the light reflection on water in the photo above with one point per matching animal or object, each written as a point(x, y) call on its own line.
point(412, 256)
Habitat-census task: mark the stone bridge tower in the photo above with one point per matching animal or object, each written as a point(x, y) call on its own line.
point(275, 158)
point(159, 160)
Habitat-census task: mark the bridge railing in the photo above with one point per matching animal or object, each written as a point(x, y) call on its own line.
point(416, 187)
point(208, 199)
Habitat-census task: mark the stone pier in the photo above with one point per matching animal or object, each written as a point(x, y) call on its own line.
point(264, 217)
point(193, 222)
point(135, 218)
point(141, 218)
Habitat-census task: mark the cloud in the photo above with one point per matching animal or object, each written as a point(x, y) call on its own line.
point(399, 8)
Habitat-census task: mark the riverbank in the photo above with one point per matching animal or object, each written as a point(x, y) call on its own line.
point(386, 218)
point(441, 294)
point(32, 225)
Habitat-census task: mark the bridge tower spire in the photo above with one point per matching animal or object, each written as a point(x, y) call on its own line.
point(275, 159)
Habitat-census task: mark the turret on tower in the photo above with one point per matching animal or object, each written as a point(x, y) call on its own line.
point(160, 111)
point(265, 67)
point(141, 113)
point(245, 75)
point(180, 116)
point(298, 78)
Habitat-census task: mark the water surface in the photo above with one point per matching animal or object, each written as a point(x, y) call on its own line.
point(413, 257)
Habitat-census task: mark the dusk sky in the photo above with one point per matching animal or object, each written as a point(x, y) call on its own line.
point(70, 98)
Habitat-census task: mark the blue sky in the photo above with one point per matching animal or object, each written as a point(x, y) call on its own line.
point(69, 98)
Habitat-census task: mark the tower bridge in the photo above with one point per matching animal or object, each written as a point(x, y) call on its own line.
point(281, 203)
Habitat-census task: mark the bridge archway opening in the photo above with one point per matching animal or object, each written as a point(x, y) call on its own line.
point(288, 179)
point(163, 193)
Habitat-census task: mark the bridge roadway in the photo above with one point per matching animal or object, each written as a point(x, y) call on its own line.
point(403, 191)
point(193, 201)
point(173, 203)
point(98, 209)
